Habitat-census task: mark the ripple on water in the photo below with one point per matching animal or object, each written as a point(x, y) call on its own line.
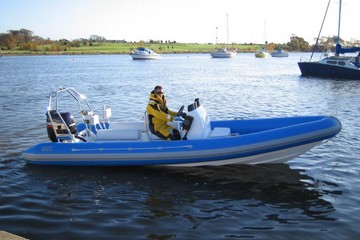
point(314, 194)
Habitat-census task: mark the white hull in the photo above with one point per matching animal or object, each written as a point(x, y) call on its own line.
point(275, 54)
point(223, 55)
point(280, 156)
point(145, 57)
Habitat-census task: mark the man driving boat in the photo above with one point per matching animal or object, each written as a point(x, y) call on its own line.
point(159, 115)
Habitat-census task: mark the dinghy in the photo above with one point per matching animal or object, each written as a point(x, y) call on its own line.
point(95, 141)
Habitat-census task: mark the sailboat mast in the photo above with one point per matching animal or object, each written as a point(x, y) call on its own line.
point(322, 24)
point(265, 31)
point(227, 28)
point(339, 21)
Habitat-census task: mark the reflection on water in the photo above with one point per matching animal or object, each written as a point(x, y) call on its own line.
point(162, 203)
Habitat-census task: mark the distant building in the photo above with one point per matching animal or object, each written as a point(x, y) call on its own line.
point(116, 41)
point(96, 38)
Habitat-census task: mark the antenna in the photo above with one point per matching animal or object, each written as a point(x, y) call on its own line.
point(339, 21)
point(216, 35)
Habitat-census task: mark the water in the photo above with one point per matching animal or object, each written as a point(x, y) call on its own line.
point(315, 195)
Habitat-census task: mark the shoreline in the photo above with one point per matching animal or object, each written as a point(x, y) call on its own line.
point(127, 48)
point(106, 53)
point(9, 236)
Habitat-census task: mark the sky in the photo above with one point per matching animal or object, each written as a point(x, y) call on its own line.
point(190, 21)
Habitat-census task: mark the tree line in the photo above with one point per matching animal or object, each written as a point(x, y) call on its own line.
point(25, 39)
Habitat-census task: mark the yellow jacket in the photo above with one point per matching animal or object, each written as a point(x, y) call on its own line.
point(159, 114)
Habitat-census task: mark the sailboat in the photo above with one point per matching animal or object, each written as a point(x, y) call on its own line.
point(262, 52)
point(223, 52)
point(337, 66)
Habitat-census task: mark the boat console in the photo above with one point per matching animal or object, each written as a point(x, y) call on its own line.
point(200, 124)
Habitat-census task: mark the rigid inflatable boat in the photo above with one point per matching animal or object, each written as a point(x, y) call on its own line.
point(97, 141)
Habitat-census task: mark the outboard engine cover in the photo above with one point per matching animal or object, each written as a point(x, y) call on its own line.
point(58, 125)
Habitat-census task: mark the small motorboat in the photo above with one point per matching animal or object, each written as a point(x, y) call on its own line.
point(262, 53)
point(95, 142)
point(279, 53)
point(144, 54)
point(223, 53)
point(328, 53)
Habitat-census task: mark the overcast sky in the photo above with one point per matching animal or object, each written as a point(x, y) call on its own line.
point(180, 20)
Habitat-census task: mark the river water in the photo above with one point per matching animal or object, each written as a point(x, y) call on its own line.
point(313, 196)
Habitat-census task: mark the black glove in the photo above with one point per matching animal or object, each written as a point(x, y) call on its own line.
point(183, 115)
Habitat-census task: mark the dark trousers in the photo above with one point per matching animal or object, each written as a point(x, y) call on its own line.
point(175, 136)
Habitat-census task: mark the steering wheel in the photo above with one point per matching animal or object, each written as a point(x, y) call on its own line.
point(180, 112)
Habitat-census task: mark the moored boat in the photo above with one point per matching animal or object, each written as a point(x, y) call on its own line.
point(262, 53)
point(223, 53)
point(204, 142)
point(279, 53)
point(144, 54)
point(338, 67)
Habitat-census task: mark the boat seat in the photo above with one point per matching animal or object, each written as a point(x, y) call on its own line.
point(127, 125)
point(151, 136)
point(220, 132)
point(147, 129)
point(95, 123)
point(118, 134)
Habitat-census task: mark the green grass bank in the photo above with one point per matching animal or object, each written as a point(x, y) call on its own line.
point(125, 48)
